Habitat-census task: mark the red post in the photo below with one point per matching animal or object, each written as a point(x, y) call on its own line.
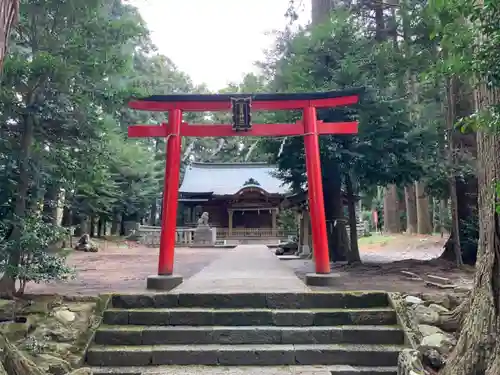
point(315, 191)
point(170, 194)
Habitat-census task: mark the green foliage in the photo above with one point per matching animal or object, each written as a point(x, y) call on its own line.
point(335, 56)
point(469, 33)
point(72, 66)
point(286, 220)
point(467, 26)
point(36, 263)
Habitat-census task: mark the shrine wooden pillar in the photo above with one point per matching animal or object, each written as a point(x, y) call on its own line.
point(230, 213)
point(274, 224)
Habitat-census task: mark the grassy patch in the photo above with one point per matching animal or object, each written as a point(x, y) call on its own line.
point(376, 239)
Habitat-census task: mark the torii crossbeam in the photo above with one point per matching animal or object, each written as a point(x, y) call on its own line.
point(241, 105)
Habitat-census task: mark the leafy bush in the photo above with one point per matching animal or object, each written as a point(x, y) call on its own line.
point(287, 221)
point(27, 259)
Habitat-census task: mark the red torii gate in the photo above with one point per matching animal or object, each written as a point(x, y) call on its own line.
point(241, 105)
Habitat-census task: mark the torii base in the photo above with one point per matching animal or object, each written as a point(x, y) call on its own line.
point(320, 279)
point(163, 282)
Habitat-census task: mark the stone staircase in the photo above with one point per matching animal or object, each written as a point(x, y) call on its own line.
point(349, 333)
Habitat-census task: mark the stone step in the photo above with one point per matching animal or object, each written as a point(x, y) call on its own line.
point(254, 300)
point(244, 355)
point(249, 317)
point(185, 335)
point(247, 370)
point(349, 370)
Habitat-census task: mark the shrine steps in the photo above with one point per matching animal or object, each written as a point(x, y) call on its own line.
point(347, 333)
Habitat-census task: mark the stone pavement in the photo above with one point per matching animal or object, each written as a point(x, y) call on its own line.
point(246, 269)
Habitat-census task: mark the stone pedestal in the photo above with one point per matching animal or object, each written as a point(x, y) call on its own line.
point(163, 282)
point(318, 279)
point(204, 235)
point(305, 251)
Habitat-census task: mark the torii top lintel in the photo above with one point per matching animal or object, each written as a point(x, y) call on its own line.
point(222, 102)
point(270, 102)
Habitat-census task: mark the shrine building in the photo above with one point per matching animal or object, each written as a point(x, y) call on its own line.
point(242, 199)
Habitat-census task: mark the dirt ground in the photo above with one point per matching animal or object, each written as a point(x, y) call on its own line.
point(384, 257)
point(121, 267)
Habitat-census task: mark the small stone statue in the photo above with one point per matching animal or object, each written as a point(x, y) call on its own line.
point(203, 220)
point(85, 244)
point(203, 234)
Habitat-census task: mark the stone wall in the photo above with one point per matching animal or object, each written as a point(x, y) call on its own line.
point(409, 360)
point(422, 316)
point(50, 334)
point(409, 363)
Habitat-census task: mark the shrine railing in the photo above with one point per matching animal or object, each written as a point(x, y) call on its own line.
point(235, 233)
point(184, 236)
point(150, 235)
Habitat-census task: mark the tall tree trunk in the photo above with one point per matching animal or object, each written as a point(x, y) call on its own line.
point(334, 212)
point(392, 223)
point(91, 231)
point(100, 227)
point(478, 347)
point(411, 209)
point(321, 10)
point(332, 189)
point(353, 253)
point(153, 212)
point(464, 188)
point(450, 120)
point(67, 217)
point(401, 209)
point(9, 10)
point(380, 32)
point(83, 225)
point(8, 280)
point(424, 223)
point(115, 224)
point(468, 226)
point(51, 204)
point(443, 216)
point(455, 223)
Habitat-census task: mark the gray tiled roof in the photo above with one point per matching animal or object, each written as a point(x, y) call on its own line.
point(229, 178)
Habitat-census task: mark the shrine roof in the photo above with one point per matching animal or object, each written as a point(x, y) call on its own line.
point(229, 178)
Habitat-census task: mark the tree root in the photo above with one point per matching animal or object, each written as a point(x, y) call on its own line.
point(15, 362)
point(452, 321)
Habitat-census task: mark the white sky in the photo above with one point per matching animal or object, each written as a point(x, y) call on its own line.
point(201, 36)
